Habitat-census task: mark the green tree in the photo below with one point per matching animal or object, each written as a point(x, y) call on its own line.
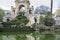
point(48, 20)
point(41, 20)
point(49, 14)
point(1, 14)
point(20, 19)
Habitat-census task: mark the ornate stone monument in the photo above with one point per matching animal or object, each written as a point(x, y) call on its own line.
point(21, 5)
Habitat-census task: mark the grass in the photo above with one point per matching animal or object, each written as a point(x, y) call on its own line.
point(15, 33)
point(49, 37)
point(22, 35)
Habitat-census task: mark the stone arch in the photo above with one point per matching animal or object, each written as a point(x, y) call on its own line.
point(20, 6)
point(24, 6)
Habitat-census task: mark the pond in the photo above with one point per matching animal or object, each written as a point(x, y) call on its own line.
point(23, 35)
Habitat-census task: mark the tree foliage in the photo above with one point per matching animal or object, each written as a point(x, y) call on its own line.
point(1, 14)
point(47, 20)
point(41, 20)
point(20, 19)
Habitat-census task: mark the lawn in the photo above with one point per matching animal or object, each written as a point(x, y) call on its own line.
point(22, 35)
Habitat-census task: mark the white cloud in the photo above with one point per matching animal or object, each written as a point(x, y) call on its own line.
point(8, 3)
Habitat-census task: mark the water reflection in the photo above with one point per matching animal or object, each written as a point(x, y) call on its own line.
point(36, 35)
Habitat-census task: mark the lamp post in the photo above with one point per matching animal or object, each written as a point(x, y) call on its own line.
point(51, 11)
point(51, 6)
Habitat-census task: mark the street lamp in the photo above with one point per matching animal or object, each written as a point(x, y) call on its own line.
point(51, 6)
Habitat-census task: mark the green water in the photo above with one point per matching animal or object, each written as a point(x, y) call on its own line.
point(28, 36)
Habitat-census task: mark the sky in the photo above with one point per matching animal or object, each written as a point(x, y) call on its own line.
point(6, 4)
